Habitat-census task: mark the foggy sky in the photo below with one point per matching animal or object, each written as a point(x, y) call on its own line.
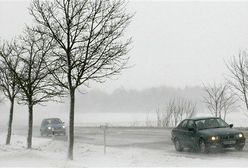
point(175, 43)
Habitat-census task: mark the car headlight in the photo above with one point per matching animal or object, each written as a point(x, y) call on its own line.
point(49, 128)
point(214, 138)
point(240, 135)
point(63, 126)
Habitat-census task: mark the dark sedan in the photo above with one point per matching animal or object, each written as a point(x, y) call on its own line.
point(52, 126)
point(202, 134)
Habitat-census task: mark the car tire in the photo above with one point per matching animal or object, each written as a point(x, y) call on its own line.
point(239, 148)
point(202, 147)
point(178, 145)
point(41, 134)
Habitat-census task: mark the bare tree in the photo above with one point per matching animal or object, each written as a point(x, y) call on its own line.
point(8, 83)
point(219, 99)
point(229, 103)
point(169, 113)
point(149, 121)
point(31, 73)
point(159, 117)
point(176, 110)
point(90, 39)
point(238, 78)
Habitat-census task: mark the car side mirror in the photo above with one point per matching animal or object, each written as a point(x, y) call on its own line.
point(231, 125)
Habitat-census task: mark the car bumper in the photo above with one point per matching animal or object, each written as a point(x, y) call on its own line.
point(226, 143)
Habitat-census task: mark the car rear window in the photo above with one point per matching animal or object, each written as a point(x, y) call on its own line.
point(183, 124)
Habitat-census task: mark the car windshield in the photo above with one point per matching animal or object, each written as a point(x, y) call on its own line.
point(210, 123)
point(54, 121)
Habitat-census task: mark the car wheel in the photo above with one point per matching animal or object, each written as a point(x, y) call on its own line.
point(202, 146)
point(178, 145)
point(41, 134)
point(239, 148)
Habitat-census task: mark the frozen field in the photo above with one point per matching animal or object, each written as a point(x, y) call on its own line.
point(126, 147)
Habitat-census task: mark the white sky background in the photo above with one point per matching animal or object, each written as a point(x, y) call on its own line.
point(175, 43)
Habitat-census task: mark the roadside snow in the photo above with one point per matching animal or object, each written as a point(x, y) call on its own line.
point(47, 152)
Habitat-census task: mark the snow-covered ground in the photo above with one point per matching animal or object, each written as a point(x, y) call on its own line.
point(51, 152)
point(130, 147)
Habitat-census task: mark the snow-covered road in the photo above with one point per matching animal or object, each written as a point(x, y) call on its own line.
point(126, 147)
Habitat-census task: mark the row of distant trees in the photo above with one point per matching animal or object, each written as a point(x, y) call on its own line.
point(220, 99)
point(70, 43)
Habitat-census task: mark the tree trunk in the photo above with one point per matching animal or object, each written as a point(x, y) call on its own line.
point(225, 115)
point(71, 125)
point(30, 125)
point(220, 113)
point(246, 101)
point(10, 122)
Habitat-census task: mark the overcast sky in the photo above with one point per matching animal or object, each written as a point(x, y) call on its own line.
point(175, 43)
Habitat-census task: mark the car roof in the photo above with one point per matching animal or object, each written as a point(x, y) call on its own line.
point(202, 118)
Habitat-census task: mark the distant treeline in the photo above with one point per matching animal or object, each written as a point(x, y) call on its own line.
point(122, 100)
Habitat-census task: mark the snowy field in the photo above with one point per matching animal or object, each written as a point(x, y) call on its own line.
point(128, 147)
point(83, 118)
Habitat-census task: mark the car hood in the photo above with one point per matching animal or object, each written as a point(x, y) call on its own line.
point(219, 131)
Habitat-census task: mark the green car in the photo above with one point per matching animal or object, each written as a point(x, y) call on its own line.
point(202, 134)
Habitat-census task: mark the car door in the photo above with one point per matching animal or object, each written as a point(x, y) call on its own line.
point(43, 125)
point(181, 132)
point(189, 135)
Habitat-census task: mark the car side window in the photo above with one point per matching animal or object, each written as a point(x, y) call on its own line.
point(44, 123)
point(183, 125)
point(191, 124)
point(200, 124)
